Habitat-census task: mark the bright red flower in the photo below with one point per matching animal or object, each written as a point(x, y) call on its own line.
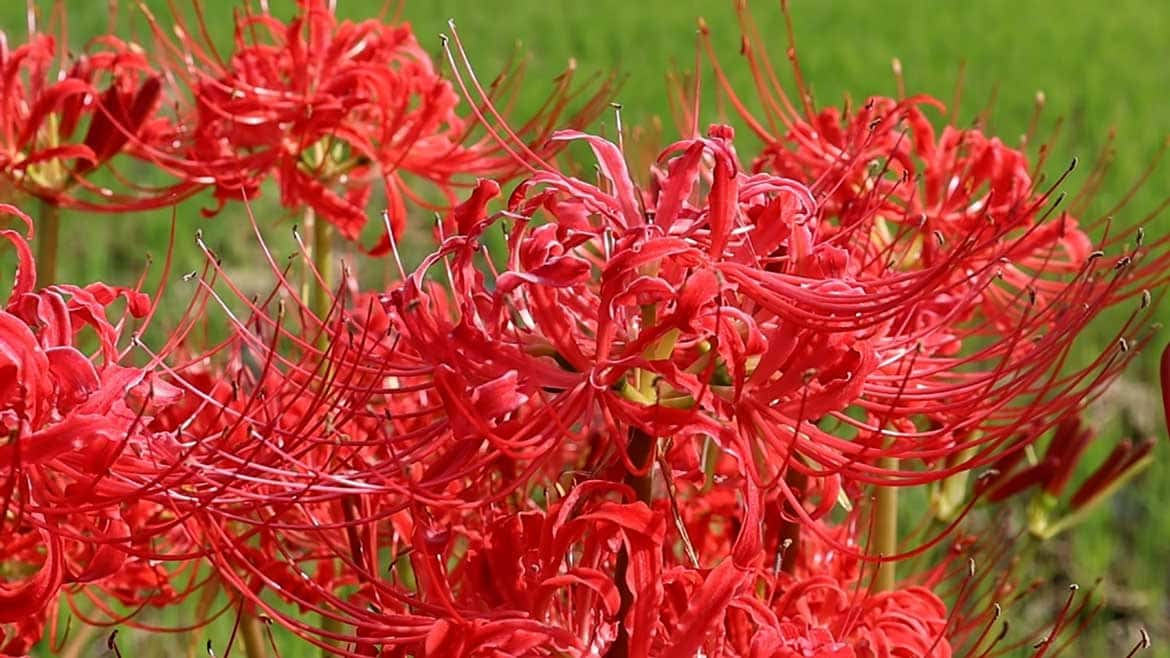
point(718, 308)
point(1010, 476)
point(76, 427)
point(719, 316)
point(605, 444)
point(63, 118)
point(743, 316)
point(328, 108)
point(1012, 269)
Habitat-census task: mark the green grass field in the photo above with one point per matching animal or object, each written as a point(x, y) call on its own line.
point(1095, 62)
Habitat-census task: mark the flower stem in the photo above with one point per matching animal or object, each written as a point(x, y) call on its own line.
point(330, 625)
point(322, 253)
point(885, 541)
point(48, 235)
point(80, 641)
point(252, 632)
point(641, 449)
point(789, 540)
point(320, 285)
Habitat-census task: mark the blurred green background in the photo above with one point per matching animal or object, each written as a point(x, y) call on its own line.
point(1100, 65)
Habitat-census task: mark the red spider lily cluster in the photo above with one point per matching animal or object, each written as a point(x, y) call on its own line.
point(667, 419)
point(327, 108)
point(65, 119)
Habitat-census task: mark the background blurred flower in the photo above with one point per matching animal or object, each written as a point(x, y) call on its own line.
point(328, 108)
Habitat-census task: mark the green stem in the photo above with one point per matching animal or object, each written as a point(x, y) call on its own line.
point(316, 291)
point(642, 449)
point(252, 632)
point(319, 302)
point(330, 625)
point(48, 236)
point(80, 641)
point(885, 541)
point(322, 252)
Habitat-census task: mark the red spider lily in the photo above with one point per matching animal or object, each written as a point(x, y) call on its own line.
point(736, 318)
point(76, 426)
point(61, 120)
point(717, 308)
point(20, 637)
point(710, 609)
point(296, 454)
point(608, 444)
point(819, 598)
point(328, 107)
point(544, 581)
point(892, 193)
point(895, 187)
point(1054, 471)
point(427, 403)
point(729, 320)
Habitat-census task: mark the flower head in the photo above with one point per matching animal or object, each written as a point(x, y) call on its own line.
point(77, 438)
point(329, 108)
point(62, 119)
